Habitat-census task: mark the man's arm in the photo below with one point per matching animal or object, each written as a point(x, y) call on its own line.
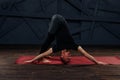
point(90, 57)
point(46, 53)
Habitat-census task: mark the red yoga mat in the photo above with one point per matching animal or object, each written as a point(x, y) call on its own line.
point(80, 60)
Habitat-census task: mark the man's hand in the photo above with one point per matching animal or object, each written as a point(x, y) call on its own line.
point(101, 63)
point(29, 61)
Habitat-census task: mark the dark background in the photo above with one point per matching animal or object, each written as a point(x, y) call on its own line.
point(91, 22)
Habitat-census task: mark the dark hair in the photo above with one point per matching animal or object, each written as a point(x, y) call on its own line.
point(65, 61)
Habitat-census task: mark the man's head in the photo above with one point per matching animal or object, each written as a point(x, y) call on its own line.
point(65, 56)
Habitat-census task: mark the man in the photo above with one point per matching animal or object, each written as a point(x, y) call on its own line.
point(58, 30)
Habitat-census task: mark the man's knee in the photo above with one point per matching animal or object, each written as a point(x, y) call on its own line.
point(57, 17)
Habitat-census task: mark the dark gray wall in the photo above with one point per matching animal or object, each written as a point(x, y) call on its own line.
point(91, 22)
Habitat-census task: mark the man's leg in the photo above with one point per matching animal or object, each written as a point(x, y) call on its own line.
point(53, 28)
